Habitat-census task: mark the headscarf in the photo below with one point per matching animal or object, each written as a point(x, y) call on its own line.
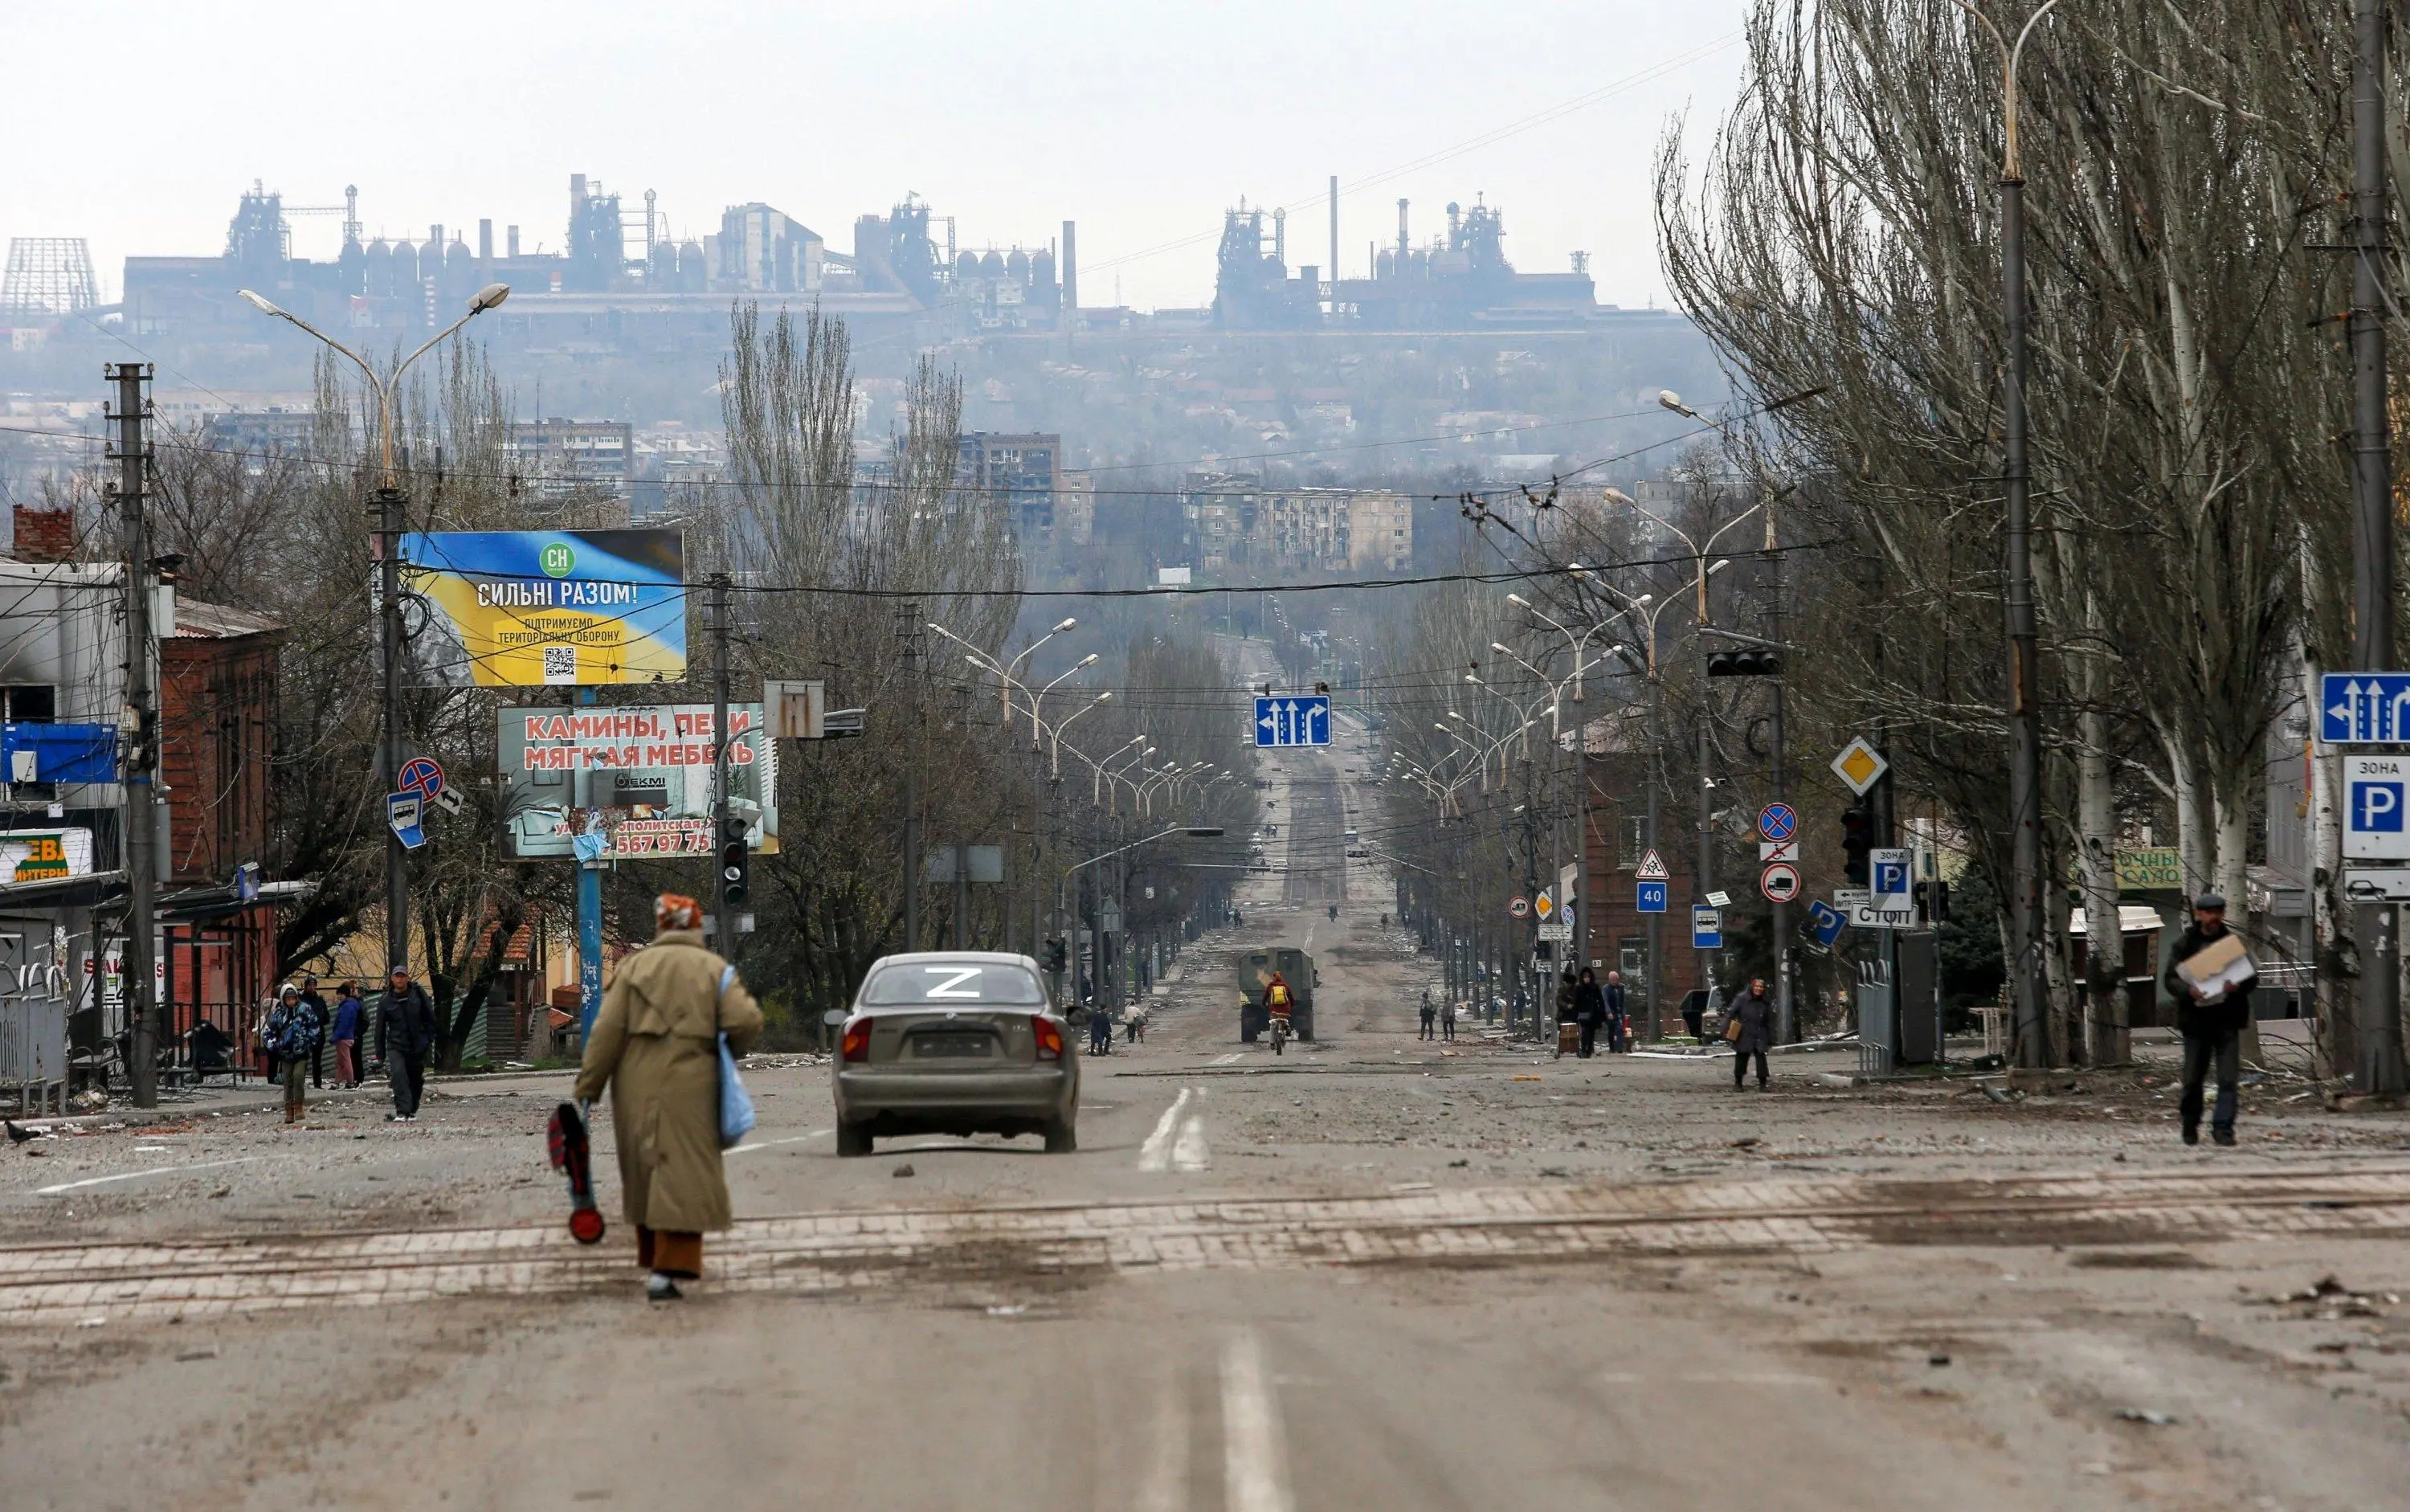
point(675, 911)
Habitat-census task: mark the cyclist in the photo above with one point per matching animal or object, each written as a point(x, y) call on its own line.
point(1277, 999)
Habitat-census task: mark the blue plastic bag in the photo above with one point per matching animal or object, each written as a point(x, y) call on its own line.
point(735, 1103)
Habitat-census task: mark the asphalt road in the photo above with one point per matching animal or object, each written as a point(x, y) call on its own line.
point(1375, 1272)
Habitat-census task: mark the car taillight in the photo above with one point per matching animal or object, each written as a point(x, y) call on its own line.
point(1050, 1039)
point(857, 1039)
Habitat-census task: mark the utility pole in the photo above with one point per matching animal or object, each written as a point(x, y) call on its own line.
point(1707, 881)
point(721, 907)
point(1656, 785)
point(2378, 1066)
point(389, 502)
point(2025, 714)
point(141, 722)
point(908, 625)
point(1784, 1018)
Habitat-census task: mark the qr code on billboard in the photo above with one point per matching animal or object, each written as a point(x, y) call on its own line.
point(560, 664)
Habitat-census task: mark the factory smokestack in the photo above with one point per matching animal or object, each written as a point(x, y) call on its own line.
point(1402, 236)
point(1334, 243)
point(484, 240)
point(1071, 272)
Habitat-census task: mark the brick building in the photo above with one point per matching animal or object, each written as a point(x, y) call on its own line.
point(217, 701)
point(1616, 772)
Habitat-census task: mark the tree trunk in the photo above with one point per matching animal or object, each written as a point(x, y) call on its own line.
point(2107, 1041)
point(2233, 808)
point(2192, 827)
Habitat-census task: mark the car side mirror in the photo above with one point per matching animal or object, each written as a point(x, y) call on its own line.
point(834, 1018)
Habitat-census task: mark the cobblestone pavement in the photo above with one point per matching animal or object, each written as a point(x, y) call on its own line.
point(828, 1252)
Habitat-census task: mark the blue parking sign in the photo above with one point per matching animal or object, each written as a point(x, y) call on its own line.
point(1825, 922)
point(2377, 806)
point(1651, 898)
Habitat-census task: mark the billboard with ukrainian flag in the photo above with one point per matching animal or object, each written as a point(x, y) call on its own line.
point(544, 608)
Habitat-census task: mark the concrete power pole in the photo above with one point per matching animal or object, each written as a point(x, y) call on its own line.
point(908, 625)
point(141, 721)
point(2378, 1066)
point(722, 909)
point(2027, 991)
point(389, 503)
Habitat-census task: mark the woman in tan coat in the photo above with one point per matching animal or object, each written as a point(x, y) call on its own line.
point(655, 1044)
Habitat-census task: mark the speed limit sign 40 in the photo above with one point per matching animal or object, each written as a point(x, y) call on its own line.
point(1779, 883)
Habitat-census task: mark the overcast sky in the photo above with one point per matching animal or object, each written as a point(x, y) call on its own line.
point(1141, 122)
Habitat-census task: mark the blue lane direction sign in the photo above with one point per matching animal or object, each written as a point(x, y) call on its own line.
point(2363, 707)
point(1778, 822)
point(1293, 720)
point(1706, 928)
point(1826, 923)
point(1651, 898)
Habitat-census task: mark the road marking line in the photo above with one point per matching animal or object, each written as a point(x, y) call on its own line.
point(1165, 1485)
point(1156, 1154)
point(137, 1175)
point(1225, 1060)
point(1190, 1154)
point(1255, 1470)
point(791, 1139)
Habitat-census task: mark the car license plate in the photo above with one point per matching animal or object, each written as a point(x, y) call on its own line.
point(931, 1045)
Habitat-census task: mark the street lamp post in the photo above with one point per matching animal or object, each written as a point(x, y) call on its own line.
point(2033, 1047)
point(390, 499)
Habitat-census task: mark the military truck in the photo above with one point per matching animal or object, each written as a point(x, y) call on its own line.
point(1254, 969)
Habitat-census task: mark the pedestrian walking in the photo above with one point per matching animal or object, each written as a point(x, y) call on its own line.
point(1589, 1010)
point(290, 1030)
point(1431, 1016)
point(405, 1037)
point(1447, 1019)
point(272, 1064)
point(656, 1046)
point(347, 1036)
point(1749, 1021)
point(319, 1019)
point(2211, 975)
point(1614, 995)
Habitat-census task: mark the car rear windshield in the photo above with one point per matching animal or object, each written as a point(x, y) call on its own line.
point(952, 982)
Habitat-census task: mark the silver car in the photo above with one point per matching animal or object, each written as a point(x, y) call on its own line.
point(956, 1042)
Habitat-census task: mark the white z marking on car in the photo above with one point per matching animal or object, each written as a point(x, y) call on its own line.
point(955, 977)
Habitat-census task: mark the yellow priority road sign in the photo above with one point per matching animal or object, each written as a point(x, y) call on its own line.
point(1859, 766)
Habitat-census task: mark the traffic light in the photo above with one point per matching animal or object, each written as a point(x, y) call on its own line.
point(1857, 839)
point(736, 865)
point(1744, 664)
point(1058, 955)
point(1933, 899)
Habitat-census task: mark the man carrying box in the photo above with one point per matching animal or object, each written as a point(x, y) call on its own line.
point(2210, 975)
